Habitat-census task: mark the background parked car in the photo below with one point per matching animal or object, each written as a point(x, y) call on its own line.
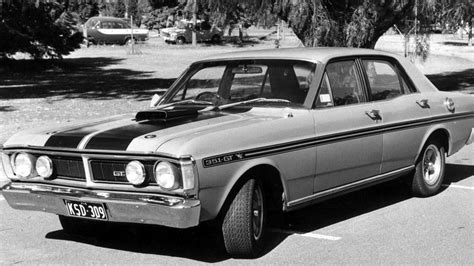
point(182, 32)
point(109, 30)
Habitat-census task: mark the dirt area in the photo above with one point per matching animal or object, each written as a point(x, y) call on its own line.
point(104, 80)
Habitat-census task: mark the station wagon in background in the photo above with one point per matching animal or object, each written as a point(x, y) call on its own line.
point(182, 32)
point(242, 134)
point(111, 30)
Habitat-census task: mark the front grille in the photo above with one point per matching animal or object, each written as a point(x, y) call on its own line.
point(114, 171)
point(69, 167)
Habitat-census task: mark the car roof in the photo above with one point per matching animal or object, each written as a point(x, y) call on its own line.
point(316, 54)
point(107, 19)
point(323, 55)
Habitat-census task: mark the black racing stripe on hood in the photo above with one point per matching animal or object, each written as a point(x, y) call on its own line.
point(71, 138)
point(119, 138)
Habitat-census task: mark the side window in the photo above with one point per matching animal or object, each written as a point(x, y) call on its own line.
point(341, 85)
point(384, 80)
point(119, 25)
point(324, 97)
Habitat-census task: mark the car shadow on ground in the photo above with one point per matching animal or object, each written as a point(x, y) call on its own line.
point(205, 244)
point(454, 81)
point(455, 43)
point(458, 172)
point(88, 78)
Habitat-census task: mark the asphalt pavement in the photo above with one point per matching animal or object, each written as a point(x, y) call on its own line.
point(378, 225)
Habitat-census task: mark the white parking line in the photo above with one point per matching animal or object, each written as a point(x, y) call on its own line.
point(458, 186)
point(312, 235)
point(1, 198)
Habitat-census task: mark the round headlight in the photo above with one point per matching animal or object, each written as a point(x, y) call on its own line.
point(23, 165)
point(135, 172)
point(44, 166)
point(166, 175)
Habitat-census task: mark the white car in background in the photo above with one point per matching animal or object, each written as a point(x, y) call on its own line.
point(182, 32)
point(111, 30)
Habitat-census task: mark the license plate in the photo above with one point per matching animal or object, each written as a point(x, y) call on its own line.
point(86, 209)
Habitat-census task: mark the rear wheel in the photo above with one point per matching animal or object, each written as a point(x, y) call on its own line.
point(243, 227)
point(216, 39)
point(129, 41)
point(429, 171)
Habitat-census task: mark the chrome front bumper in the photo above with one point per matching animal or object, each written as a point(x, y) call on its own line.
point(121, 206)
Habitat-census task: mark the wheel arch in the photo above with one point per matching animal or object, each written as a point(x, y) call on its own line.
point(181, 38)
point(438, 133)
point(270, 176)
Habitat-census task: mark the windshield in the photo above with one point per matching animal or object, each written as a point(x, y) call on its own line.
point(182, 25)
point(271, 82)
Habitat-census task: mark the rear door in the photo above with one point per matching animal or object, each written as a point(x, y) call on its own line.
point(403, 111)
point(349, 148)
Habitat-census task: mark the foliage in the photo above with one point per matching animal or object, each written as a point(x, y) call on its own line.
point(158, 18)
point(85, 8)
point(458, 14)
point(357, 23)
point(43, 31)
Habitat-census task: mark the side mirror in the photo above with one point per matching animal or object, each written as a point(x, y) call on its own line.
point(154, 100)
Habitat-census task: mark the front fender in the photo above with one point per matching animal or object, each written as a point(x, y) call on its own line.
point(213, 198)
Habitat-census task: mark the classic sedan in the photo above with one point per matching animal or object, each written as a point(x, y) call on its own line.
point(109, 30)
point(240, 135)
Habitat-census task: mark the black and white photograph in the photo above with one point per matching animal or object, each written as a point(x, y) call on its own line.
point(270, 132)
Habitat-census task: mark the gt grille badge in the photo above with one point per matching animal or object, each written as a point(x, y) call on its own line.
point(119, 173)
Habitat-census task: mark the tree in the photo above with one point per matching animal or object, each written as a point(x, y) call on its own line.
point(143, 8)
point(459, 14)
point(358, 23)
point(42, 29)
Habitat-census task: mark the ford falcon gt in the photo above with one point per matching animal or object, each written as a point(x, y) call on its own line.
point(242, 134)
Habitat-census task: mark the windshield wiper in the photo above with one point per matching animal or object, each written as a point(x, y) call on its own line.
point(272, 100)
point(184, 102)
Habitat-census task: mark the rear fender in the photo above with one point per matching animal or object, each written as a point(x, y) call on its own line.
point(430, 133)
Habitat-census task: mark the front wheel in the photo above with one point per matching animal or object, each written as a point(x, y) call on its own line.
point(243, 227)
point(180, 41)
point(429, 171)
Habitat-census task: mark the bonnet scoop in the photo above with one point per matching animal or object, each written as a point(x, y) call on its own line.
point(165, 115)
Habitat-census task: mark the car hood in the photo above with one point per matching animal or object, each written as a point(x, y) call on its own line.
point(148, 132)
point(172, 29)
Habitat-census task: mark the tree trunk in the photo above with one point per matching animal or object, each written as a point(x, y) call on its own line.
point(469, 39)
point(194, 37)
point(327, 24)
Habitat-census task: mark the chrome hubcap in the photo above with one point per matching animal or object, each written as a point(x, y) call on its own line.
point(257, 213)
point(431, 164)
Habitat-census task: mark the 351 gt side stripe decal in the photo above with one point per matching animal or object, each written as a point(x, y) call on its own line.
point(311, 142)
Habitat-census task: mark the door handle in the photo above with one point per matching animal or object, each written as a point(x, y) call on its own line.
point(423, 103)
point(374, 115)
